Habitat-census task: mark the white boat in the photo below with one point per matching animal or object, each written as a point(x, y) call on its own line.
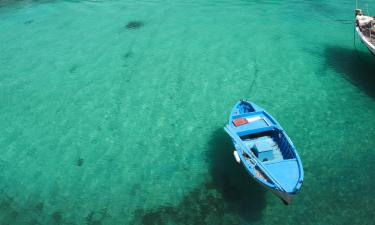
point(365, 28)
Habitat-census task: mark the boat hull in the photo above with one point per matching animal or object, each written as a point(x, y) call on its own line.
point(364, 40)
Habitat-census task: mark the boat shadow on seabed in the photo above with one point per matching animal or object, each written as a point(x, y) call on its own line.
point(229, 196)
point(241, 193)
point(357, 66)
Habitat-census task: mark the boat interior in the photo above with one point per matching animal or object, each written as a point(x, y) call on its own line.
point(366, 25)
point(273, 150)
point(269, 146)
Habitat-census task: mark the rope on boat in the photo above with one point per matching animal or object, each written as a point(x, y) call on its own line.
point(354, 38)
point(354, 27)
point(333, 19)
point(256, 72)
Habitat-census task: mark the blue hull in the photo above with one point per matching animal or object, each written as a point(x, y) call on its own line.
point(265, 150)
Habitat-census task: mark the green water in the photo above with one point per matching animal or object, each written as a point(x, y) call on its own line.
point(102, 123)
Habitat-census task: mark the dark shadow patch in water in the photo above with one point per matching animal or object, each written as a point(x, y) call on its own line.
point(97, 218)
point(203, 205)
point(132, 25)
point(6, 205)
point(12, 212)
point(229, 196)
point(35, 213)
point(39, 206)
point(80, 161)
point(127, 55)
point(27, 22)
point(243, 195)
point(74, 68)
point(358, 67)
point(57, 217)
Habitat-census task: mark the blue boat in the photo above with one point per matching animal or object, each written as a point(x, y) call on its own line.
point(265, 150)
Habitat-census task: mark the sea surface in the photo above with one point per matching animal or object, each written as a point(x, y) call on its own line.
point(112, 112)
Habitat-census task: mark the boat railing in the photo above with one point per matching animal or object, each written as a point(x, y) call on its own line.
point(259, 164)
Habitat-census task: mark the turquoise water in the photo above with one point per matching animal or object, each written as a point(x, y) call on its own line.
point(111, 112)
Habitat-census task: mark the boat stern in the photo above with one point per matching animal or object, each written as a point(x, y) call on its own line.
point(285, 197)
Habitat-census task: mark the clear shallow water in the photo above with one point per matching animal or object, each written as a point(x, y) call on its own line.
point(102, 124)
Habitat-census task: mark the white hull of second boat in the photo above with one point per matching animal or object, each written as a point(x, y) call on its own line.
point(365, 41)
